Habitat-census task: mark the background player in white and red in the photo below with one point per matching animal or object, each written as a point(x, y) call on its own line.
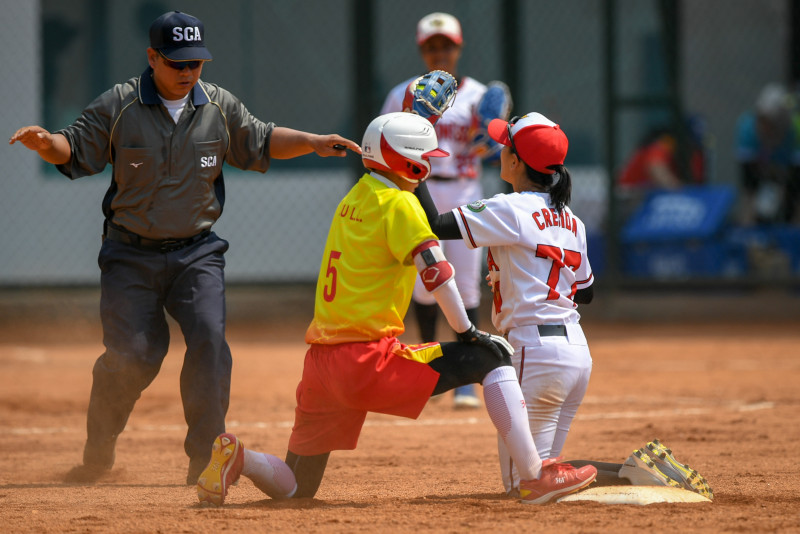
point(455, 180)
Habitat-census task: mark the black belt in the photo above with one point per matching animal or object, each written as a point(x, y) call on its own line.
point(157, 245)
point(552, 330)
point(549, 330)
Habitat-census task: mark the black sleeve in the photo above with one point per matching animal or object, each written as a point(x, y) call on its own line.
point(444, 225)
point(751, 176)
point(584, 296)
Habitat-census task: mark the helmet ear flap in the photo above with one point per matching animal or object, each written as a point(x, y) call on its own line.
point(415, 169)
point(411, 170)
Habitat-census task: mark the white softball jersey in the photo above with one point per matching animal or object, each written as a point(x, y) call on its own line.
point(536, 257)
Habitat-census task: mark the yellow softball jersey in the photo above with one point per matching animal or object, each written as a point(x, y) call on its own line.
point(367, 273)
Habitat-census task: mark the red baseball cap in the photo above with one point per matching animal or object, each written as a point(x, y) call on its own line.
point(439, 24)
point(536, 139)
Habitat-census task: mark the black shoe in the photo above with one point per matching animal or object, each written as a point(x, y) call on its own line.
point(98, 459)
point(100, 456)
point(85, 474)
point(196, 466)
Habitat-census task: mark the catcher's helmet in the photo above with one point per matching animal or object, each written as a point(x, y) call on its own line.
point(401, 143)
point(430, 94)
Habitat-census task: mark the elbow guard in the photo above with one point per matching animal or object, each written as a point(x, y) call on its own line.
point(433, 267)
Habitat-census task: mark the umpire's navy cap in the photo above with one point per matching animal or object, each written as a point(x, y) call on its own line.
point(179, 36)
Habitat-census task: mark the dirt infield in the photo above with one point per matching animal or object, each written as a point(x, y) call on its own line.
point(723, 395)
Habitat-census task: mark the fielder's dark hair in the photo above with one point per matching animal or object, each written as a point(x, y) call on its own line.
point(560, 191)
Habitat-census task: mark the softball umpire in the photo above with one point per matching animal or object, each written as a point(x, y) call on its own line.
point(166, 134)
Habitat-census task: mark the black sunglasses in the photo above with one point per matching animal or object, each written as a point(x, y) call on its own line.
point(180, 65)
point(509, 124)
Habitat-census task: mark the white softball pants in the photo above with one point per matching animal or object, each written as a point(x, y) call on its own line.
point(554, 373)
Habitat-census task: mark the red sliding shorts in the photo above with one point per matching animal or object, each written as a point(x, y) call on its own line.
point(341, 383)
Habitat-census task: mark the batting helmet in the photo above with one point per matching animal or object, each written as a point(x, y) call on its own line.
point(401, 143)
point(430, 94)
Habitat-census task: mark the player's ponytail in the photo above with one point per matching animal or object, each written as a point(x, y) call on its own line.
point(560, 190)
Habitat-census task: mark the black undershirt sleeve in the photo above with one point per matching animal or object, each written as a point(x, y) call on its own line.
point(443, 225)
point(584, 296)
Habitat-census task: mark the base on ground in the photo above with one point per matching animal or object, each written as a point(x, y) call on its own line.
point(634, 495)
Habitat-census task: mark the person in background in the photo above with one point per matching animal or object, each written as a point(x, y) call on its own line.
point(455, 179)
point(655, 164)
point(768, 154)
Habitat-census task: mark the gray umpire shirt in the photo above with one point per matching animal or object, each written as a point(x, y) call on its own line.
point(167, 178)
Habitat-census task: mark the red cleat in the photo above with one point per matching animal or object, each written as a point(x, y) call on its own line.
point(556, 480)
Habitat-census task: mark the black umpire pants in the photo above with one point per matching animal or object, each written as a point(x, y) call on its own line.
point(137, 287)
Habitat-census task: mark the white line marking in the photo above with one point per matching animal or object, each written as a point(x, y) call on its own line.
point(26, 354)
point(733, 406)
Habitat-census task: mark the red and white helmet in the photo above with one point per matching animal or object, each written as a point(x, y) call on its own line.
point(401, 143)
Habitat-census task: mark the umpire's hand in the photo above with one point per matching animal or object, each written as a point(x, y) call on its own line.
point(53, 148)
point(33, 137)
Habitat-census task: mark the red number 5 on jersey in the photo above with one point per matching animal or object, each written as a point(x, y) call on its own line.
point(329, 291)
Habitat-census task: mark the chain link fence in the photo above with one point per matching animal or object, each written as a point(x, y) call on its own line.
point(326, 65)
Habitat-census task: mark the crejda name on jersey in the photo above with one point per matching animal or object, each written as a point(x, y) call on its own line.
point(548, 217)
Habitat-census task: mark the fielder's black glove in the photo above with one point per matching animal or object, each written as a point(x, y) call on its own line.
point(499, 347)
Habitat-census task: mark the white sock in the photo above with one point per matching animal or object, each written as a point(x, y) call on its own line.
point(270, 474)
point(506, 407)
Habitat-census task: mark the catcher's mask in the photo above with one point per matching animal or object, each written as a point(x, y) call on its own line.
point(430, 95)
point(401, 143)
